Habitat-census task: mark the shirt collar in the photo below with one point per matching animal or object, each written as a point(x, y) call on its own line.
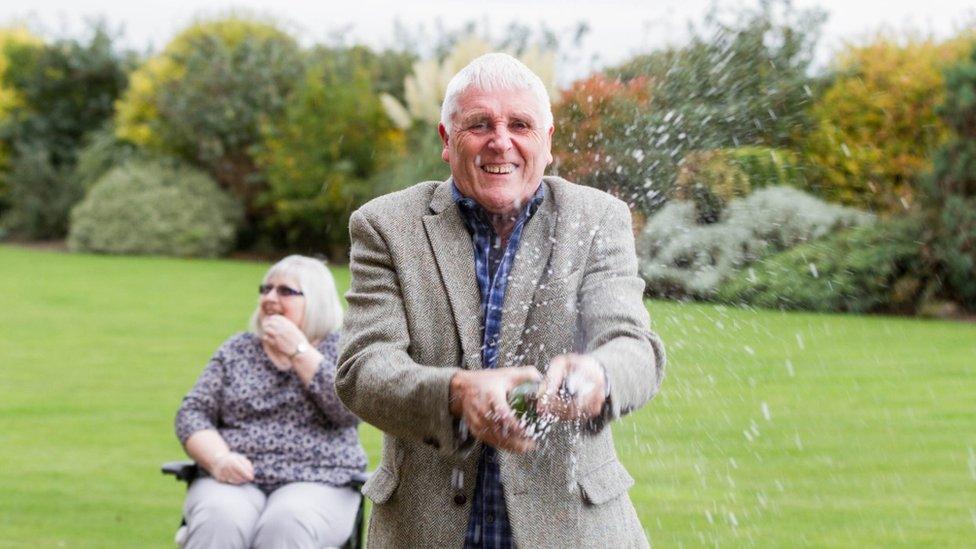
point(470, 208)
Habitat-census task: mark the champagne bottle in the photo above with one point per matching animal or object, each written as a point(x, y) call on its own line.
point(523, 399)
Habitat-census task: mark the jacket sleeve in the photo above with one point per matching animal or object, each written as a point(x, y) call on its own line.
point(376, 377)
point(321, 389)
point(614, 320)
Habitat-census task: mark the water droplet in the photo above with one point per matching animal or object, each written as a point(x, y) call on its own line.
point(732, 519)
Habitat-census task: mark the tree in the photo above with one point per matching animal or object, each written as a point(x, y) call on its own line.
point(9, 97)
point(734, 84)
point(205, 97)
point(592, 120)
point(875, 125)
point(321, 154)
point(950, 187)
point(738, 83)
point(64, 90)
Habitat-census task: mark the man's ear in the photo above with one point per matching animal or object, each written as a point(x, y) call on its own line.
point(445, 152)
point(552, 129)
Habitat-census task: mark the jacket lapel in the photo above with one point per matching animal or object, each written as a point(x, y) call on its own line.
point(527, 271)
point(454, 255)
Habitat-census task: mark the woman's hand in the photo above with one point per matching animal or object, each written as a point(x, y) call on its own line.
point(211, 452)
point(281, 339)
point(232, 468)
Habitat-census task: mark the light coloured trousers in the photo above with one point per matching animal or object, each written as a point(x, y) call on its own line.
point(299, 514)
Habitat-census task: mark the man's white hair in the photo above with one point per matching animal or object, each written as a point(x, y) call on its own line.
point(495, 72)
point(323, 310)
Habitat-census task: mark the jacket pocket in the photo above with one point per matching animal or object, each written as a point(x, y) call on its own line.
point(380, 485)
point(605, 483)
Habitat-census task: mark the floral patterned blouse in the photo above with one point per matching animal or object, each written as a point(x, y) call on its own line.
point(290, 432)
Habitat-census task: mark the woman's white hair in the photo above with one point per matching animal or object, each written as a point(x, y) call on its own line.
point(323, 310)
point(494, 72)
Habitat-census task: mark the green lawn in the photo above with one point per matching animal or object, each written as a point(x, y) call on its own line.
point(771, 429)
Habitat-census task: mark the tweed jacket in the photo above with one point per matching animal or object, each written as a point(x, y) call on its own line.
point(414, 320)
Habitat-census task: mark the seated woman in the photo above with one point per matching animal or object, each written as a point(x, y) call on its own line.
point(264, 422)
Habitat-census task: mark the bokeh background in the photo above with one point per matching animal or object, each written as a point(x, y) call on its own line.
point(802, 178)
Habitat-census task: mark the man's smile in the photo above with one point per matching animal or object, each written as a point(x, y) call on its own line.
point(498, 168)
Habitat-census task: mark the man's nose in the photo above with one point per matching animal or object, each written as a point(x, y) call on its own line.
point(501, 138)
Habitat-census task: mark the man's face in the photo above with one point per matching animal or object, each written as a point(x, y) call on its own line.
point(498, 148)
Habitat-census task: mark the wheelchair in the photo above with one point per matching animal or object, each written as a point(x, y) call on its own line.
point(188, 471)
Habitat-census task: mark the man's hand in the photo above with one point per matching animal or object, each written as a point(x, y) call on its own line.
point(574, 388)
point(232, 468)
point(480, 398)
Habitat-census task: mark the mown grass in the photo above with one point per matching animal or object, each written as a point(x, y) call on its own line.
point(772, 429)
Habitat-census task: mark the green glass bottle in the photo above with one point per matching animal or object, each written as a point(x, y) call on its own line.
point(523, 399)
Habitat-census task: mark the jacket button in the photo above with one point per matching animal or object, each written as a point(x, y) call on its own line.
point(460, 499)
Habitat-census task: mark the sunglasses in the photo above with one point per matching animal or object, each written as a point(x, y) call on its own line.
point(283, 291)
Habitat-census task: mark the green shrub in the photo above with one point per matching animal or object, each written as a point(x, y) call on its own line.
point(876, 125)
point(10, 97)
point(41, 194)
point(768, 167)
point(419, 161)
point(101, 152)
point(872, 268)
point(204, 98)
point(739, 80)
point(956, 247)
point(155, 207)
point(319, 156)
point(735, 83)
point(682, 258)
point(61, 92)
point(710, 180)
point(949, 196)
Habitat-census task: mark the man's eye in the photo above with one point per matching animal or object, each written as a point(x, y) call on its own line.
point(477, 125)
point(519, 125)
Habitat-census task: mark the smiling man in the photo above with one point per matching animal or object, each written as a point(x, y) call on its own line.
point(462, 290)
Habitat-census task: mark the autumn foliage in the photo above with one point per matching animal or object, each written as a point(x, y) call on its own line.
point(590, 116)
point(875, 126)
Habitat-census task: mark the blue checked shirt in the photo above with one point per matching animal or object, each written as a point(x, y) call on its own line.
point(489, 527)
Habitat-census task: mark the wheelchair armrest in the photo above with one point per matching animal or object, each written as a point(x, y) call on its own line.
point(184, 470)
point(187, 471)
point(358, 479)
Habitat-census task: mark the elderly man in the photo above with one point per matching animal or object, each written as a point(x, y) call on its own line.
point(463, 289)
